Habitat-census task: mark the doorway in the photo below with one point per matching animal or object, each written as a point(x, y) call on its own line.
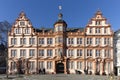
point(59, 68)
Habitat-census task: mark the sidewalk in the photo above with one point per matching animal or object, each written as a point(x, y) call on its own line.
point(57, 77)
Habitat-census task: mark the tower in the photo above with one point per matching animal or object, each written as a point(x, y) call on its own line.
point(60, 38)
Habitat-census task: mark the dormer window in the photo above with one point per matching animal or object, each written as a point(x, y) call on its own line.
point(98, 23)
point(22, 23)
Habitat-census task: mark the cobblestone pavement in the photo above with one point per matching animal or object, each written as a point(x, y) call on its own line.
point(57, 77)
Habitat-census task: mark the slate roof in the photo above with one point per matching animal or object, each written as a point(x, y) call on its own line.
point(67, 30)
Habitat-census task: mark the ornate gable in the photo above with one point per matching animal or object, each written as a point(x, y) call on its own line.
point(98, 20)
point(22, 25)
point(98, 16)
point(22, 21)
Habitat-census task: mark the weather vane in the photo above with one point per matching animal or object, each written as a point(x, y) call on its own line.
point(60, 8)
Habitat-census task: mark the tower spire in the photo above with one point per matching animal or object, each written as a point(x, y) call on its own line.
point(60, 14)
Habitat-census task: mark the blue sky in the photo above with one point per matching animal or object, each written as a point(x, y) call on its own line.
point(76, 13)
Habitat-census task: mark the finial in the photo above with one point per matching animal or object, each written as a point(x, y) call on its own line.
point(60, 16)
point(22, 14)
point(98, 12)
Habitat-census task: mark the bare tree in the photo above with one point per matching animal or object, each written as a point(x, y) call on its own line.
point(4, 28)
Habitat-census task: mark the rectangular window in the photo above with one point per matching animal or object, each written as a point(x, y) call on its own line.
point(32, 65)
point(31, 52)
point(79, 65)
point(97, 53)
point(89, 53)
point(22, 23)
point(56, 40)
point(49, 52)
point(49, 65)
point(27, 31)
point(41, 65)
point(13, 41)
point(41, 40)
point(22, 40)
point(105, 41)
point(13, 53)
point(108, 41)
point(70, 41)
point(13, 65)
point(79, 40)
point(19, 30)
point(89, 40)
point(16, 31)
point(22, 53)
point(97, 41)
point(90, 30)
point(89, 65)
point(70, 52)
point(49, 41)
point(41, 52)
point(60, 39)
point(79, 52)
point(71, 65)
point(105, 30)
point(31, 40)
point(107, 53)
point(97, 30)
point(98, 23)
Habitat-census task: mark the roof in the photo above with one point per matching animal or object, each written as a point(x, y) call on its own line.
point(60, 21)
point(45, 29)
point(81, 29)
point(75, 29)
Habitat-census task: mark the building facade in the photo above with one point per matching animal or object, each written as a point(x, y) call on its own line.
point(61, 49)
point(117, 52)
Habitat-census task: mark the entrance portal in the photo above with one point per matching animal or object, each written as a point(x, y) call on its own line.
point(59, 68)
